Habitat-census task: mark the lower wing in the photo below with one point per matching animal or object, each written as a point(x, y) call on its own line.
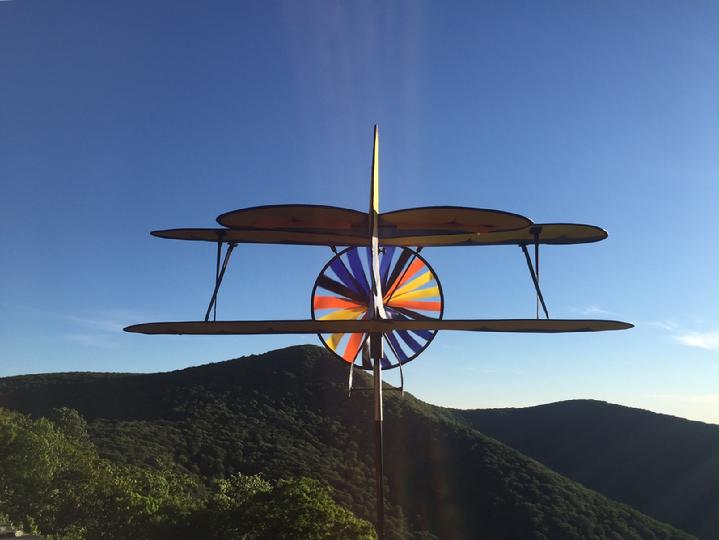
point(359, 326)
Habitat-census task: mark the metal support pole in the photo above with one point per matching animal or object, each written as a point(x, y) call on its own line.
point(376, 353)
point(349, 381)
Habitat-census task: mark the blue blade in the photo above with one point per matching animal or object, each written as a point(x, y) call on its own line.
point(424, 334)
point(395, 346)
point(409, 340)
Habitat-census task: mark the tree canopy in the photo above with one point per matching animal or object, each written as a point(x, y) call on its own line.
point(53, 482)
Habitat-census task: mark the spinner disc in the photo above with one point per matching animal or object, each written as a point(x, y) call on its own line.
point(410, 291)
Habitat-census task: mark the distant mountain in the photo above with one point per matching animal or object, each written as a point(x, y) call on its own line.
point(286, 413)
point(662, 465)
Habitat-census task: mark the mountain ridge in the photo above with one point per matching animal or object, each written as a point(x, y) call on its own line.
point(660, 464)
point(581, 400)
point(214, 420)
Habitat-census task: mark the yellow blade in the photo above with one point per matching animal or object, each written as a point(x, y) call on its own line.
point(429, 292)
point(334, 339)
point(414, 284)
point(343, 314)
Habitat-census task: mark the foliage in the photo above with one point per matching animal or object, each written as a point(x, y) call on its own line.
point(662, 465)
point(286, 414)
point(251, 508)
point(52, 481)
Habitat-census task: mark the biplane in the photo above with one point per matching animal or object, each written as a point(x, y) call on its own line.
point(377, 304)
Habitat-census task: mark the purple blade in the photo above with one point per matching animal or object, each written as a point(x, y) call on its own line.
point(357, 270)
point(384, 266)
point(336, 287)
point(339, 268)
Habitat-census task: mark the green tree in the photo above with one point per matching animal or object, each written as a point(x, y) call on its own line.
point(303, 508)
point(250, 508)
point(55, 483)
point(30, 457)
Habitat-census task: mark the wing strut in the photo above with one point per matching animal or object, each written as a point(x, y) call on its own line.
point(535, 280)
point(219, 274)
point(535, 233)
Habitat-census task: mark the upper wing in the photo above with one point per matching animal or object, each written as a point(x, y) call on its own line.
point(311, 218)
point(365, 326)
point(297, 218)
point(549, 233)
point(449, 219)
point(257, 236)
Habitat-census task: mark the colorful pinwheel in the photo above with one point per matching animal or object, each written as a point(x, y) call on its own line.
point(410, 291)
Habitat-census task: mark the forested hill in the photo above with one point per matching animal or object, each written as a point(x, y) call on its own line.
point(286, 414)
point(662, 465)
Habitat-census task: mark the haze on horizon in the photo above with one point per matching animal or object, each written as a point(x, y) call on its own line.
point(121, 118)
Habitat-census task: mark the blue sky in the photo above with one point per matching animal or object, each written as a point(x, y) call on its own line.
point(117, 118)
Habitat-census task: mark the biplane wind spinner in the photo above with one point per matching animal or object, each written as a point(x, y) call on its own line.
point(377, 304)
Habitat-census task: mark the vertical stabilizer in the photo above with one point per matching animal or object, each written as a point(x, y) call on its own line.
point(374, 186)
point(377, 306)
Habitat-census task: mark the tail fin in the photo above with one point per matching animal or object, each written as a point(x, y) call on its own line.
point(376, 304)
point(374, 187)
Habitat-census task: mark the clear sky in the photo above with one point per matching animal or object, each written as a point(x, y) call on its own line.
point(120, 117)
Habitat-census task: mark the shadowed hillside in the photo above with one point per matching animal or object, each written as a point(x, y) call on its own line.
point(286, 413)
point(662, 465)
